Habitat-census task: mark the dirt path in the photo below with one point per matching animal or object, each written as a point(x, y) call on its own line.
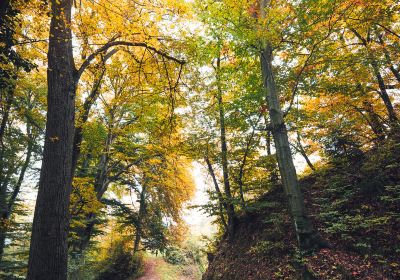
point(150, 271)
point(158, 269)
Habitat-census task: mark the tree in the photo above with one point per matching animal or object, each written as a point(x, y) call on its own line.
point(224, 154)
point(52, 205)
point(48, 249)
point(109, 137)
point(225, 118)
point(306, 235)
point(26, 110)
point(21, 109)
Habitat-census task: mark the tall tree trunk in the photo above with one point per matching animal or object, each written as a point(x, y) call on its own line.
point(306, 235)
point(84, 113)
point(383, 93)
point(49, 251)
point(87, 232)
point(388, 59)
point(224, 156)
point(274, 178)
point(9, 98)
point(374, 121)
point(3, 215)
point(6, 113)
point(372, 118)
point(78, 138)
point(221, 201)
point(268, 142)
point(11, 201)
point(302, 151)
point(102, 181)
point(84, 167)
point(3, 126)
point(381, 83)
point(142, 210)
point(87, 106)
point(137, 241)
point(242, 166)
point(100, 185)
point(3, 236)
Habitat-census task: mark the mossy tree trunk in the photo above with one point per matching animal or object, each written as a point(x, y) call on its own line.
point(307, 236)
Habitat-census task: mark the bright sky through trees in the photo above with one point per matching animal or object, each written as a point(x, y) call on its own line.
point(234, 139)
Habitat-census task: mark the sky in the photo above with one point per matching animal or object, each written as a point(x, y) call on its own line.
point(199, 223)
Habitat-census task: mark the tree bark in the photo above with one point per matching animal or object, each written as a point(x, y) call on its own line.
point(372, 118)
point(10, 91)
point(302, 151)
point(87, 106)
point(6, 113)
point(11, 201)
point(48, 251)
point(142, 211)
point(383, 93)
point(381, 83)
point(374, 121)
point(306, 235)
point(3, 213)
point(388, 59)
point(3, 235)
point(221, 201)
point(268, 141)
point(224, 156)
point(83, 117)
point(100, 186)
point(137, 241)
point(242, 166)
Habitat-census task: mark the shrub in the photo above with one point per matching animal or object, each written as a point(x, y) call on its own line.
point(175, 256)
point(121, 264)
point(266, 247)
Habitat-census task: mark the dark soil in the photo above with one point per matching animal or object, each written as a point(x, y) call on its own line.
point(351, 206)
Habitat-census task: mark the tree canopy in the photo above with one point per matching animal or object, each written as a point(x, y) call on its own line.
point(105, 107)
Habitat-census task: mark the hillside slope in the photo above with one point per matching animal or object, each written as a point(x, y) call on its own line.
point(354, 203)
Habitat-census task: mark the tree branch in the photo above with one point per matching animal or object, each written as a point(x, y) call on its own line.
point(110, 44)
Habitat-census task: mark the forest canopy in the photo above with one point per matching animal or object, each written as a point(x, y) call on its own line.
point(108, 107)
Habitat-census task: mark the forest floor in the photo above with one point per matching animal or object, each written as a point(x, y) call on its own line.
point(156, 268)
point(355, 206)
